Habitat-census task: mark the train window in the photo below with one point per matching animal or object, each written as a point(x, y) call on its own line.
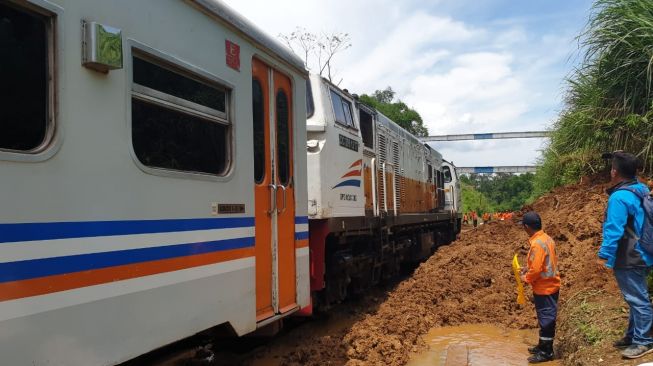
point(24, 71)
point(163, 80)
point(258, 110)
point(447, 174)
point(342, 110)
point(178, 122)
point(310, 104)
point(283, 137)
point(367, 128)
point(430, 173)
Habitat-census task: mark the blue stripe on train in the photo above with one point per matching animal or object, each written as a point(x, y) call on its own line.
point(34, 268)
point(350, 182)
point(10, 233)
point(301, 220)
point(301, 235)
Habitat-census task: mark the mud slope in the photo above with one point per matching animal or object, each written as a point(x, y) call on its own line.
point(471, 282)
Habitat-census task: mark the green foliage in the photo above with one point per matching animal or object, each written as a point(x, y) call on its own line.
point(474, 200)
point(609, 99)
point(504, 192)
point(398, 111)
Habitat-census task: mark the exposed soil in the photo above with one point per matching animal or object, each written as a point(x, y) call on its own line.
point(471, 282)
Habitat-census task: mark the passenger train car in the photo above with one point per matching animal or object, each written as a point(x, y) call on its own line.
point(153, 166)
point(160, 177)
point(376, 195)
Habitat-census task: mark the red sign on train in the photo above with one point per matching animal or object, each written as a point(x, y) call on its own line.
point(232, 51)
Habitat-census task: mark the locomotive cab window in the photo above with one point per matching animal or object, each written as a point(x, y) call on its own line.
point(179, 122)
point(447, 174)
point(310, 103)
point(342, 110)
point(25, 67)
point(367, 128)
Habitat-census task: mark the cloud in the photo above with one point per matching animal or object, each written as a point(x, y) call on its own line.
point(462, 75)
point(413, 46)
point(478, 93)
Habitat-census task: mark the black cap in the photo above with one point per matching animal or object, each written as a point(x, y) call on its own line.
point(532, 219)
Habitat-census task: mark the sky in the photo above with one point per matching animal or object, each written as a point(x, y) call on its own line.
point(467, 66)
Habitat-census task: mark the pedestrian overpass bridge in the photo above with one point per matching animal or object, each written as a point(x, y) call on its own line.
point(488, 136)
point(496, 169)
point(491, 136)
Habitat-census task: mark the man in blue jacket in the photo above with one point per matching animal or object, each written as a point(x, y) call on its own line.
point(621, 252)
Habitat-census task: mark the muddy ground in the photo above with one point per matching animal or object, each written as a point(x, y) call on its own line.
point(471, 282)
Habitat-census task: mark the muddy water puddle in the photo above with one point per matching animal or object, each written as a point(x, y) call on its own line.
point(477, 345)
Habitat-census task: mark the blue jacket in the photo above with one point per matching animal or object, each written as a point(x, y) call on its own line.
point(621, 205)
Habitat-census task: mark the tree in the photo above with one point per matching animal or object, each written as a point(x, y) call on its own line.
point(398, 111)
point(317, 50)
point(504, 191)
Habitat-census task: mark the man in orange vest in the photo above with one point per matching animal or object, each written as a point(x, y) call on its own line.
point(542, 274)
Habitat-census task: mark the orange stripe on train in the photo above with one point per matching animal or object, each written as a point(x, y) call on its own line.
point(353, 173)
point(46, 285)
point(356, 163)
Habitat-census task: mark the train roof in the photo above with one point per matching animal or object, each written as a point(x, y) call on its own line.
point(241, 24)
point(392, 125)
point(385, 120)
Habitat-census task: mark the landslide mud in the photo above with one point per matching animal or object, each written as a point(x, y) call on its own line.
point(470, 282)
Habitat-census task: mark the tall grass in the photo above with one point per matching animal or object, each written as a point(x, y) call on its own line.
point(608, 105)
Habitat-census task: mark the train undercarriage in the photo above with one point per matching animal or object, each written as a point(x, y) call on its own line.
point(347, 258)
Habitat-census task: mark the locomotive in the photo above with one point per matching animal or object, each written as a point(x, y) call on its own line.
point(161, 177)
point(377, 196)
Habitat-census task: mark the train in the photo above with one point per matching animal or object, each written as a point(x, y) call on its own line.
point(377, 196)
point(169, 168)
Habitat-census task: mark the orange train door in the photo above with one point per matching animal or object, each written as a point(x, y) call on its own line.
point(285, 192)
point(273, 191)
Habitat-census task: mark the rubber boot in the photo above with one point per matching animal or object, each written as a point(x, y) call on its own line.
point(537, 348)
point(545, 354)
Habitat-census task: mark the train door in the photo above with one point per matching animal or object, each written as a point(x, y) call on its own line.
point(273, 191)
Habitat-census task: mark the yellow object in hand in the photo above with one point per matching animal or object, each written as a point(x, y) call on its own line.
point(521, 299)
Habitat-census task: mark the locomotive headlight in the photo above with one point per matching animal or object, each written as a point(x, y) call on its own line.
point(312, 145)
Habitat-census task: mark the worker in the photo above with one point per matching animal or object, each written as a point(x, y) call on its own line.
point(541, 272)
point(465, 220)
point(621, 251)
point(474, 218)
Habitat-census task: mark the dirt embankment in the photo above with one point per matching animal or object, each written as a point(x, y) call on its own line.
point(471, 282)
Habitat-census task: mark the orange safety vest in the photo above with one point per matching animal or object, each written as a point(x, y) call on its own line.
point(542, 272)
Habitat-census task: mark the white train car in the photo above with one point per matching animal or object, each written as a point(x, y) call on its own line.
point(375, 195)
point(153, 178)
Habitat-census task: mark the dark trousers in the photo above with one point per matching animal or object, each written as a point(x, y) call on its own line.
point(546, 307)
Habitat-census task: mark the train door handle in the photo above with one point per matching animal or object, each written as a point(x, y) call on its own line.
point(273, 200)
point(284, 199)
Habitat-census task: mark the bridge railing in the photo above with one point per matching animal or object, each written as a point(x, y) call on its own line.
point(488, 136)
